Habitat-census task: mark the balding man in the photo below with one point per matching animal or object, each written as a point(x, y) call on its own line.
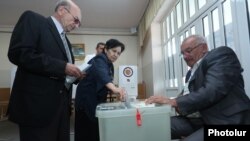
point(215, 90)
point(40, 97)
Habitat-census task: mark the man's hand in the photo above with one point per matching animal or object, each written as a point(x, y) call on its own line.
point(73, 70)
point(161, 100)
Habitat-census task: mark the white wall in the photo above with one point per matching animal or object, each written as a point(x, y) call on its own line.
point(153, 70)
point(158, 60)
point(5, 65)
point(128, 57)
point(147, 66)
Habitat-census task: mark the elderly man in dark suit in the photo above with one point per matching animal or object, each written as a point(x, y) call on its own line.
point(40, 98)
point(215, 91)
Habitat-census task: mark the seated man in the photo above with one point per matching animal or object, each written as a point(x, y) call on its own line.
point(215, 90)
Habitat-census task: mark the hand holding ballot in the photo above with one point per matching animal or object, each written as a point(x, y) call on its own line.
point(75, 72)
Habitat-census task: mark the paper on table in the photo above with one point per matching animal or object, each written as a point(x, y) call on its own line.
point(141, 104)
point(83, 67)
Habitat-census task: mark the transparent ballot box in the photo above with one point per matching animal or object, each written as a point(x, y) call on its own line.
point(133, 122)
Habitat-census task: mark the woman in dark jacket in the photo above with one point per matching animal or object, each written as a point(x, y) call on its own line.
point(93, 90)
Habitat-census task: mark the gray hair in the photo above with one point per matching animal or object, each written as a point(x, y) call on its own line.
point(198, 39)
point(64, 3)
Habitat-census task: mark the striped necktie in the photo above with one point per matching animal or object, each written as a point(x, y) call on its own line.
point(67, 85)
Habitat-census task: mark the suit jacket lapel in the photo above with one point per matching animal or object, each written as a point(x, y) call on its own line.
point(191, 81)
point(57, 36)
point(195, 80)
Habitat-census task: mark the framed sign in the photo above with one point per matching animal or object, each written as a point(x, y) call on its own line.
point(78, 51)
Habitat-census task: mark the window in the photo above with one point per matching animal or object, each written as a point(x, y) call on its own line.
point(216, 28)
point(193, 30)
point(228, 27)
point(179, 15)
point(205, 26)
point(204, 17)
point(191, 7)
point(185, 12)
point(201, 3)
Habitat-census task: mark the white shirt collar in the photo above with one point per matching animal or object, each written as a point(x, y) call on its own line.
point(195, 66)
point(58, 25)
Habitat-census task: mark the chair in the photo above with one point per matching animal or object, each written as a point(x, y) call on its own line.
point(141, 91)
point(4, 101)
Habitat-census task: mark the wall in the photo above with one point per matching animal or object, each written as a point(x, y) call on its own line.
point(128, 57)
point(5, 65)
point(153, 62)
point(158, 60)
point(147, 66)
point(152, 59)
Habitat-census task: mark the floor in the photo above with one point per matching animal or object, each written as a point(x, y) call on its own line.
point(9, 131)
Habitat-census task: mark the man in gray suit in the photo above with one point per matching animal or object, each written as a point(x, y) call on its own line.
point(40, 98)
point(215, 91)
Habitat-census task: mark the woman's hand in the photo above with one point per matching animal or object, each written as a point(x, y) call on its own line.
point(119, 91)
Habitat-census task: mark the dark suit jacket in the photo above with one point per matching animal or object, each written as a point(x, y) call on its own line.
point(37, 49)
point(217, 90)
point(91, 90)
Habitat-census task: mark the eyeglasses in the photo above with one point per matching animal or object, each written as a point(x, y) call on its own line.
point(76, 20)
point(189, 50)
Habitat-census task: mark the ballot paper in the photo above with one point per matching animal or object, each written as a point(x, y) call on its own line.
point(83, 67)
point(89, 57)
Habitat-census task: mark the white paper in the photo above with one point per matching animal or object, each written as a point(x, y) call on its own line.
point(83, 67)
point(89, 57)
point(141, 104)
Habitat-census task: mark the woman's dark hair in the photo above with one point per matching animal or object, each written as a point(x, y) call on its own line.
point(113, 43)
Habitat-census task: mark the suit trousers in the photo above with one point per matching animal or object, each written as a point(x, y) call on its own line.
point(85, 128)
point(56, 130)
point(187, 129)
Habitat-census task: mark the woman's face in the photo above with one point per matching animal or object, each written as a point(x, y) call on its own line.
point(113, 53)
